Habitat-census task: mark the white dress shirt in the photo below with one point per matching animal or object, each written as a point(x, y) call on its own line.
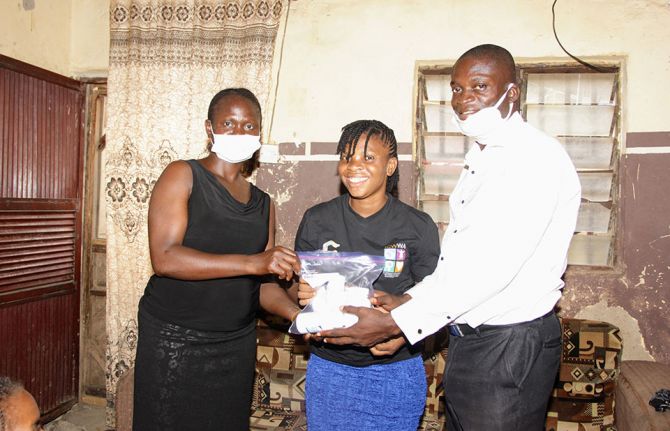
point(512, 216)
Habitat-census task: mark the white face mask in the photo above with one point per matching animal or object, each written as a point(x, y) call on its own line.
point(483, 123)
point(235, 148)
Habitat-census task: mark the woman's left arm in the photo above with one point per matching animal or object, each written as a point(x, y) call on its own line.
point(273, 298)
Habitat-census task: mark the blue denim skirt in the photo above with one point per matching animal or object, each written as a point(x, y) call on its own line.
point(389, 397)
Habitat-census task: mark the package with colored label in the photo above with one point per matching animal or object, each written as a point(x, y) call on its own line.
point(339, 279)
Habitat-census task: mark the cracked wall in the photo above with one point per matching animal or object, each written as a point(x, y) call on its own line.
point(633, 295)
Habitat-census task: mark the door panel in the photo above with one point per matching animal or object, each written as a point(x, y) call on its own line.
point(41, 156)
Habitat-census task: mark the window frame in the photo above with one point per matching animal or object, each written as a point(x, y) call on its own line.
point(524, 67)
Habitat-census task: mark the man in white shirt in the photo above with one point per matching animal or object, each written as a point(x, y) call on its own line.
point(512, 216)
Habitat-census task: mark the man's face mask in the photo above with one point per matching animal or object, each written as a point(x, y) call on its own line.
point(235, 148)
point(483, 123)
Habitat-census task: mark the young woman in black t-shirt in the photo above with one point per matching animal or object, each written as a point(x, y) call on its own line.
point(349, 387)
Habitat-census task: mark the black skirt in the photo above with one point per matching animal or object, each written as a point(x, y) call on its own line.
point(187, 379)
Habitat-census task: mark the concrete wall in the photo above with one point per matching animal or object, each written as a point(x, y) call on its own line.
point(344, 60)
point(69, 37)
point(89, 43)
point(39, 36)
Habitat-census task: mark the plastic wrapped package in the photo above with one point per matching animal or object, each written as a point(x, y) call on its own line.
point(339, 279)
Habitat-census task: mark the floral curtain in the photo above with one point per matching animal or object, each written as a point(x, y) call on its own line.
point(167, 60)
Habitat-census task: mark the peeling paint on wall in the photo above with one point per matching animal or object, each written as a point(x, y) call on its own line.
point(633, 295)
point(633, 342)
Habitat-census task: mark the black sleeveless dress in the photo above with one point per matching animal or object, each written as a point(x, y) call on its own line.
point(197, 341)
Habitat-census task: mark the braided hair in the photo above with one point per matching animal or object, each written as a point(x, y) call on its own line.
point(251, 164)
point(352, 132)
point(8, 387)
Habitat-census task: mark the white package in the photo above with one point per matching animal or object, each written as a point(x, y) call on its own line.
point(331, 294)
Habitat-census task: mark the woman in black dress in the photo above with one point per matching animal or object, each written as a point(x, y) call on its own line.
point(211, 236)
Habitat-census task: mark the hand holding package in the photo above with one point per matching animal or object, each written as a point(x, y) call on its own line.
point(339, 279)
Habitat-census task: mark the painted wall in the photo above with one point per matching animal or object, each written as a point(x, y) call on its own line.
point(348, 59)
point(344, 60)
point(89, 38)
point(39, 36)
point(69, 37)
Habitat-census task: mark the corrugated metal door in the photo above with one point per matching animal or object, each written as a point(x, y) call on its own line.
point(41, 168)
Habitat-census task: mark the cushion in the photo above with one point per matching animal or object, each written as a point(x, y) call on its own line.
point(583, 395)
point(262, 419)
point(434, 359)
point(281, 364)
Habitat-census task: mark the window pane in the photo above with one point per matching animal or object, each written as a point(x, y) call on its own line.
point(441, 179)
point(593, 217)
point(590, 250)
point(443, 148)
point(589, 153)
point(580, 109)
point(596, 186)
point(570, 88)
point(438, 210)
point(438, 119)
point(437, 87)
point(100, 204)
point(571, 120)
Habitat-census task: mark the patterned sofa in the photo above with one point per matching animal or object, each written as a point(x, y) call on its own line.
point(582, 400)
point(583, 397)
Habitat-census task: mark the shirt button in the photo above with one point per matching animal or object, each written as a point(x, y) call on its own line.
point(472, 172)
point(441, 258)
point(455, 230)
point(420, 331)
point(448, 317)
point(463, 201)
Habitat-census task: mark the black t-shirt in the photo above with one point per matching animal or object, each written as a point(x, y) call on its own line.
point(219, 224)
point(407, 238)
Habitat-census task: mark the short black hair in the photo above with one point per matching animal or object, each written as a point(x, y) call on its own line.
point(8, 387)
point(352, 132)
point(496, 53)
point(251, 164)
point(242, 92)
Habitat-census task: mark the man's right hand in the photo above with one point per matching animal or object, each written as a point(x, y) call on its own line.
point(373, 327)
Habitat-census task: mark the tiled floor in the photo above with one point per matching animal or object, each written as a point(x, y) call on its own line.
point(82, 417)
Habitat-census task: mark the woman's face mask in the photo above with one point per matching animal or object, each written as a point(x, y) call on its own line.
point(238, 123)
point(235, 148)
point(483, 123)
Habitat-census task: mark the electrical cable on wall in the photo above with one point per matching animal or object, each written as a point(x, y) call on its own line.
point(579, 60)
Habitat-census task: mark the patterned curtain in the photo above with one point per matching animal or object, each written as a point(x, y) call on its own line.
point(167, 59)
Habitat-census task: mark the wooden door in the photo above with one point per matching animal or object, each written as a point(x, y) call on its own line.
point(41, 167)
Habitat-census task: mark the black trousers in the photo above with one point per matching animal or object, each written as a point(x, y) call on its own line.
point(501, 379)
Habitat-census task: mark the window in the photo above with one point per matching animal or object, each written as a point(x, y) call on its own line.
point(98, 95)
point(580, 107)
